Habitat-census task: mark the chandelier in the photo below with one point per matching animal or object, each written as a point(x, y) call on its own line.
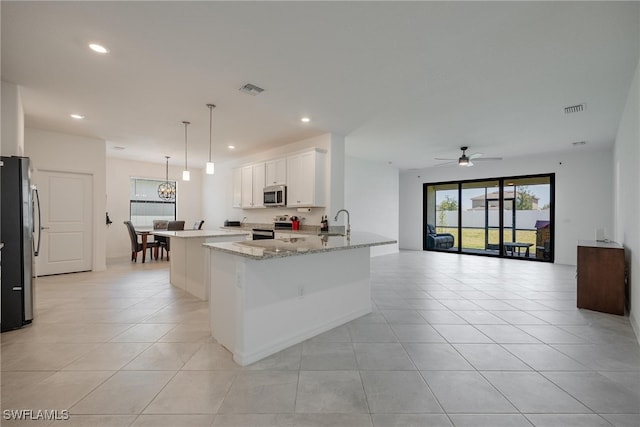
point(167, 190)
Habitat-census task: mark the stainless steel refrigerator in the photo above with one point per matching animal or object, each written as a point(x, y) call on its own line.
point(19, 205)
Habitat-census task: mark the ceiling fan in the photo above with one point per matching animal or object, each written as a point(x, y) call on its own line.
point(465, 160)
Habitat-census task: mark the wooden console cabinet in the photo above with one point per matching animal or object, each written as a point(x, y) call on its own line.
point(601, 276)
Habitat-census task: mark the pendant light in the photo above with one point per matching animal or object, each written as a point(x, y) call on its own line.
point(167, 190)
point(186, 176)
point(210, 166)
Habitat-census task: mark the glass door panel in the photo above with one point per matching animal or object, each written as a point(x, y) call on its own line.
point(480, 202)
point(530, 219)
point(441, 229)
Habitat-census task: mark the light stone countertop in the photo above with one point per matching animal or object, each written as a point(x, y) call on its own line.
point(186, 234)
point(303, 245)
point(305, 230)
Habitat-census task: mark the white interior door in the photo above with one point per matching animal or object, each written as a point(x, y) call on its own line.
point(67, 237)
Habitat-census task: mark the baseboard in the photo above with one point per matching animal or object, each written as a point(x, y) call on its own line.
point(244, 359)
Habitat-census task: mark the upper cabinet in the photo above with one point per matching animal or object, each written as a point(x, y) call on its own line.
point(276, 172)
point(303, 173)
point(236, 179)
point(306, 179)
point(252, 185)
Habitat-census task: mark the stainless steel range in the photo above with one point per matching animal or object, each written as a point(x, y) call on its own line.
point(262, 234)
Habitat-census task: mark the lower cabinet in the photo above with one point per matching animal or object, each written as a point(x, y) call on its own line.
point(601, 277)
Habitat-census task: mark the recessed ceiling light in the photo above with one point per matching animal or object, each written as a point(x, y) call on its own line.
point(77, 116)
point(231, 147)
point(305, 120)
point(98, 48)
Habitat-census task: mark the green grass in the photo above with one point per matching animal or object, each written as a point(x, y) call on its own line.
point(473, 238)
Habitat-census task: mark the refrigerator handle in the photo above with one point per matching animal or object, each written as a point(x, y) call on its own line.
point(35, 192)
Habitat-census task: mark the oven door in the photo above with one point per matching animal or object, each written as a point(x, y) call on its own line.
point(262, 234)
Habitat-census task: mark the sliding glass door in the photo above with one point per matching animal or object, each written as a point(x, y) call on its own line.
point(506, 217)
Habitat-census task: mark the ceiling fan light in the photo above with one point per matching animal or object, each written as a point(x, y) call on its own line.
point(463, 161)
point(210, 168)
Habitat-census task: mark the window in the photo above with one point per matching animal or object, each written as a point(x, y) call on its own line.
point(145, 205)
point(506, 217)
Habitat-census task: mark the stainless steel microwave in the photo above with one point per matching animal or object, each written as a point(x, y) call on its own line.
point(275, 195)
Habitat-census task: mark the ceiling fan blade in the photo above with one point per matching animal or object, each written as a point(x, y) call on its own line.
point(440, 158)
point(476, 155)
point(446, 163)
point(484, 159)
point(469, 164)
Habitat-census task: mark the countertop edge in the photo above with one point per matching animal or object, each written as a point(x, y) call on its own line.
point(190, 234)
point(285, 254)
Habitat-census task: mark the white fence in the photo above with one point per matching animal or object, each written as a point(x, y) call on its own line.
point(525, 219)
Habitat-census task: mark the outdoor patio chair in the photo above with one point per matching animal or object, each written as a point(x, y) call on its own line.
point(438, 240)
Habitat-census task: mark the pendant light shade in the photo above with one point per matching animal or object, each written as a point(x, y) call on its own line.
point(186, 176)
point(167, 190)
point(210, 168)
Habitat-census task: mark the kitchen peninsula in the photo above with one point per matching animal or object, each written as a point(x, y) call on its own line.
point(267, 295)
point(189, 264)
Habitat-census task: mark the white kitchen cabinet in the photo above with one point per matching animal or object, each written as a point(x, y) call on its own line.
point(276, 172)
point(236, 180)
point(252, 183)
point(306, 179)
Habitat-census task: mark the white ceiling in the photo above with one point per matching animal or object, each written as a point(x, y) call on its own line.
point(403, 81)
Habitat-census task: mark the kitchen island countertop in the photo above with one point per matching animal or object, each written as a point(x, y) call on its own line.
point(294, 246)
point(185, 234)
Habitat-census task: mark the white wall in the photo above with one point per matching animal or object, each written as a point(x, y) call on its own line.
point(119, 173)
point(217, 189)
point(583, 197)
point(12, 121)
point(627, 194)
point(371, 196)
point(54, 151)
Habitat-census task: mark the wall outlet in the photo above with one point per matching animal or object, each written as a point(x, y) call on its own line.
point(304, 210)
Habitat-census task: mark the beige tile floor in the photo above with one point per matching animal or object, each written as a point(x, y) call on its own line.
point(452, 341)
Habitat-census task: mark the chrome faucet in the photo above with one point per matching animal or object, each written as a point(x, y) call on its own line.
point(348, 221)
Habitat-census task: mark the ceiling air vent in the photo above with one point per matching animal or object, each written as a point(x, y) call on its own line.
point(575, 108)
point(251, 89)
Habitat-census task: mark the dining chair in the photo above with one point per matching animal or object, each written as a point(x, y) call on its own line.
point(172, 226)
point(137, 246)
point(198, 225)
point(160, 224)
